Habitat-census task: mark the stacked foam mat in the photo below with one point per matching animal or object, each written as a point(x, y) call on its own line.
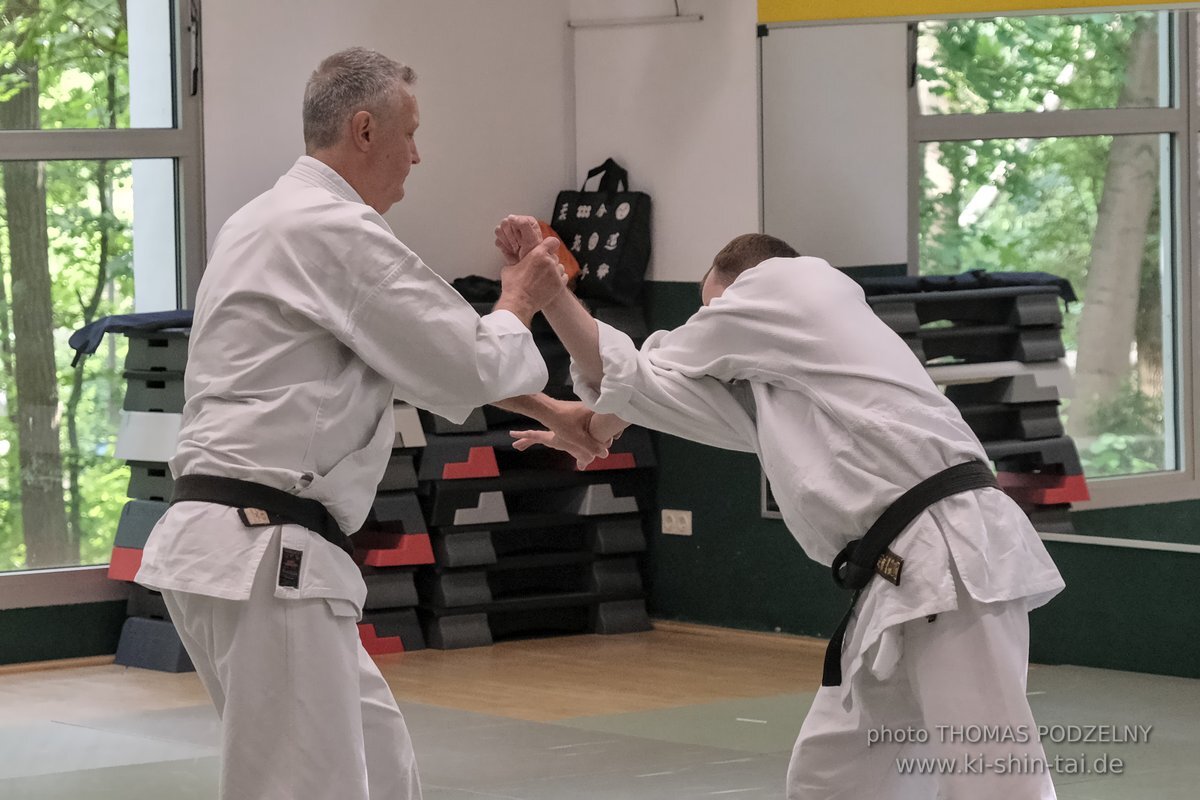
point(525, 544)
point(153, 410)
point(390, 547)
point(467, 541)
point(998, 354)
point(393, 544)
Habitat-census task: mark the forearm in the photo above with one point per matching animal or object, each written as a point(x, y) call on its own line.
point(578, 333)
point(539, 407)
point(569, 426)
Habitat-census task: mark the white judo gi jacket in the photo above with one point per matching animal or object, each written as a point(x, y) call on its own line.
point(791, 363)
point(311, 314)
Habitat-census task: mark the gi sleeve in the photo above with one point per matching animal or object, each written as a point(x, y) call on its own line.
point(640, 391)
point(414, 329)
point(758, 330)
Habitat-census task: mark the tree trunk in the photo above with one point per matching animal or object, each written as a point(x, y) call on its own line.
point(1148, 332)
point(43, 515)
point(11, 468)
point(88, 309)
point(1106, 329)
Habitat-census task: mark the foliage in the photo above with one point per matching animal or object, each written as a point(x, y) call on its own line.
point(1032, 205)
point(80, 50)
point(1014, 64)
point(1138, 447)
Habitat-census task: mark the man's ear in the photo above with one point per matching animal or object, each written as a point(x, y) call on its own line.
point(362, 126)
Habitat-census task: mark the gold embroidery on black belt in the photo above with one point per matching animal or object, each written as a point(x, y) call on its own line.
point(888, 566)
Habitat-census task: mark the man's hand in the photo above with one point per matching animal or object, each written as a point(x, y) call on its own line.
point(516, 236)
point(529, 284)
point(570, 431)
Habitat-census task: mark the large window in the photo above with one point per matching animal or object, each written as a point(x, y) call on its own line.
point(99, 213)
point(1062, 144)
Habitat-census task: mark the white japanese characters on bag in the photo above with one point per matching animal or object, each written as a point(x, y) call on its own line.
point(608, 232)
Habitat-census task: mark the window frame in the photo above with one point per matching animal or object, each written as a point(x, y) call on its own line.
point(183, 144)
point(1182, 123)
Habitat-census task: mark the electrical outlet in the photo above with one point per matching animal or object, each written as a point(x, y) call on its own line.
point(676, 522)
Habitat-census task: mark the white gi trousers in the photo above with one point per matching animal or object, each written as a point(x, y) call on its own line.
point(964, 670)
point(305, 713)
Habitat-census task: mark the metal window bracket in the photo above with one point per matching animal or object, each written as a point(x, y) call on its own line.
point(632, 21)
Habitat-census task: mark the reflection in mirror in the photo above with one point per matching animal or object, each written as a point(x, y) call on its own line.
point(959, 172)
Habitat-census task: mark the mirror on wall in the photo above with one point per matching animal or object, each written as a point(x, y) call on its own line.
point(1053, 143)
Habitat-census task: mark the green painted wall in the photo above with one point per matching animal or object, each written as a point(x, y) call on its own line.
point(1122, 609)
point(45, 634)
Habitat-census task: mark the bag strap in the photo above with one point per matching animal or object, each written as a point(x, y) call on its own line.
point(615, 177)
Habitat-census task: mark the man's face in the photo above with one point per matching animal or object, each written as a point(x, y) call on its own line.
point(395, 147)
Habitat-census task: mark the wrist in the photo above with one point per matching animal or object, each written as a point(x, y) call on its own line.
point(559, 302)
point(517, 305)
point(550, 411)
point(602, 427)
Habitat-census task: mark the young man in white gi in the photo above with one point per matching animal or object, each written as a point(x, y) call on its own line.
point(310, 315)
point(787, 360)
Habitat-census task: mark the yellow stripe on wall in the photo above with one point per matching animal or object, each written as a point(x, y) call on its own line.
point(803, 10)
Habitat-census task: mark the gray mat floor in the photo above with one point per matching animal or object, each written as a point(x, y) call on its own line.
point(732, 749)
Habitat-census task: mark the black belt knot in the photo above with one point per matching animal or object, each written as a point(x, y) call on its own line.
point(279, 506)
point(847, 573)
point(855, 565)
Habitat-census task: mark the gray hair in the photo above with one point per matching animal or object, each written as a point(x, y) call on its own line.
point(345, 83)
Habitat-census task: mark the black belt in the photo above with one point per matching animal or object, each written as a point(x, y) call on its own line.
point(861, 559)
point(261, 505)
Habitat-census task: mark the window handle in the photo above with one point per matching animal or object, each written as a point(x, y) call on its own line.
point(194, 32)
point(912, 54)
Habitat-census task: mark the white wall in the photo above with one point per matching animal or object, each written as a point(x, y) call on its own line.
point(150, 106)
point(494, 89)
point(676, 105)
point(497, 86)
point(835, 141)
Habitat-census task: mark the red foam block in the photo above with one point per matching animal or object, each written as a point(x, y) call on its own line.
point(611, 461)
point(124, 563)
point(378, 645)
point(1044, 489)
point(480, 463)
point(410, 549)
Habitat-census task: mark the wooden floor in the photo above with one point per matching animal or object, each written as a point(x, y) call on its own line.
point(547, 679)
point(539, 680)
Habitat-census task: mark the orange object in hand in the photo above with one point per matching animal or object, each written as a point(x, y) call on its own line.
point(565, 257)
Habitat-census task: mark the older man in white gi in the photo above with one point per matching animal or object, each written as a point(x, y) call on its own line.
point(787, 360)
point(310, 315)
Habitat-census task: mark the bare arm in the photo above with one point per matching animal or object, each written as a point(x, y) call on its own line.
point(572, 426)
point(599, 427)
point(518, 236)
point(696, 408)
point(578, 333)
point(700, 409)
